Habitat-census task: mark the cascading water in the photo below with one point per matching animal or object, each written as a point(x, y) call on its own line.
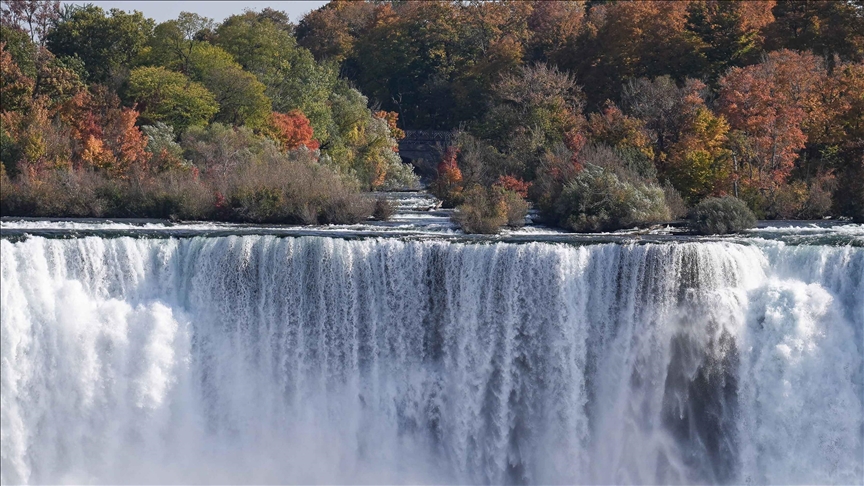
point(262, 359)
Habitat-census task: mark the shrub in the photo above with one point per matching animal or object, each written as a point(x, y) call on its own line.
point(480, 212)
point(677, 206)
point(485, 210)
point(722, 215)
point(597, 200)
point(517, 208)
point(383, 210)
point(270, 188)
point(292, 188)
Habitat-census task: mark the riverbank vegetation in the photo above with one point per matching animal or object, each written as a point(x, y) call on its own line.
point(599, 106)
point(109, 114)
point(601, 115)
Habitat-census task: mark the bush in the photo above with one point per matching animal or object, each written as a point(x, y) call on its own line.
point(92, 194)
point(517, 208)
point(271, 187)
point(485, 210)
point(383, 210)
point(597, 200)
point(292, 188)
point(722, 215)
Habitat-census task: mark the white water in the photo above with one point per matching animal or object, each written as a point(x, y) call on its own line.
point(263, 359)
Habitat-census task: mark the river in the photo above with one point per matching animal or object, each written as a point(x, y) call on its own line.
point(406, 352)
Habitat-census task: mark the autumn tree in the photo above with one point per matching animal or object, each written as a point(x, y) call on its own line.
point(825, 27)
point(729, 33)
point(555, 27)
point(612, 127)
point(664, 107)
point(331, 31)
point(770, 105)
point(699, 164)
point(292, 130)
point(630, 40)
point(448, 183)
point(34, 17)
point(16, 89)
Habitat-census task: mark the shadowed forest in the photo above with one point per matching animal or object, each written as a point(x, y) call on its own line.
point(601, 115)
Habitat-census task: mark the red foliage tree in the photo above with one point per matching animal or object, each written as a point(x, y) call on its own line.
point(292, 130)
point(513, 184)
point(770, 105)
point(448, 185)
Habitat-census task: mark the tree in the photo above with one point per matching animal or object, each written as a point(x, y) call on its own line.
point(174, 41)
point(630, 40)
point(555, 27)
point(331, 31)
point(730, 32)
point(35, 17)
point(16, 89)
point(292, 130)
point(824, 27)
point(170, 97)
point(612, 127)
point(106, 44)
point(21, 48)
point(665, 108)
point(448, 183)
point(292, 78)
point(771, 104)
point(699, 162)
point(536, 97)
point(240, 96)
point(57, 79)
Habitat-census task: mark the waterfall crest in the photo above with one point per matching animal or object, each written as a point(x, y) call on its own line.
point(260, 359)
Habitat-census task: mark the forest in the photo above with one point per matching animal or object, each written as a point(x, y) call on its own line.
point(599, 114)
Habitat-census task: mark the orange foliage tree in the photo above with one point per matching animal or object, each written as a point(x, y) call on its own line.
point(513, 184)
point(614, 128)
point(448, 184)
point(770, 105)
point(291, 130)
point(392, 118)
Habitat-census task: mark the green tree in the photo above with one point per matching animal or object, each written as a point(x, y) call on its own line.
point(730, 32)
point(170, 97)
point(174, 41)
point(21, 48)
point(239, 94)
point(105, 43)
point(292, 78)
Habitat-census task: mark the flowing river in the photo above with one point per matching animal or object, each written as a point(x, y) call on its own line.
point(407, 353)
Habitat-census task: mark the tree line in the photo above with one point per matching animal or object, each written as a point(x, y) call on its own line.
point(763, 100)
point(601, 114)
point(106, 113)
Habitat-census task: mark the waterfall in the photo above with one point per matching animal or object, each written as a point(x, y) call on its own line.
point(263, 359)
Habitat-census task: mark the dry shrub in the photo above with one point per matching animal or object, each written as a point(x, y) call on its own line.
point(485, 210)
point(721, 215)
point(266, 187)
point(292, 188)
point(383, 209)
